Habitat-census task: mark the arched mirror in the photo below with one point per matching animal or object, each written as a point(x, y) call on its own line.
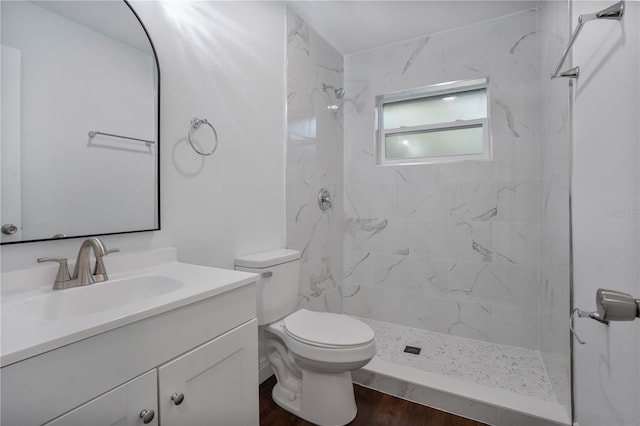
point(80, 121)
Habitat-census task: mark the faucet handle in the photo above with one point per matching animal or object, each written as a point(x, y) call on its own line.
point(99, 271)
point(63, 270)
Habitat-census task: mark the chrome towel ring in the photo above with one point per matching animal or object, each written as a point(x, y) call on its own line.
point(195, 125)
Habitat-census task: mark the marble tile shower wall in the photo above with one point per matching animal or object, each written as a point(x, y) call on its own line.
point(554, 206)
point(451, 248)
point(314, 160)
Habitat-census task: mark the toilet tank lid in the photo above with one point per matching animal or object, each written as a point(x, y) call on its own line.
point(268, 258)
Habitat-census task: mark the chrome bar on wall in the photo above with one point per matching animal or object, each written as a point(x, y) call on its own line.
point(614, 11)
point(93, 133)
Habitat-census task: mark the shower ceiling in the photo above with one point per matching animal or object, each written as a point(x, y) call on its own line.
point(356, 26)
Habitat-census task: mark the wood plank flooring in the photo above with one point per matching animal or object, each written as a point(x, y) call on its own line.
point(374, 409)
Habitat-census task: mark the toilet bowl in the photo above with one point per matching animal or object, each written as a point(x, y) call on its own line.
point(312, 353)
point(313, 360)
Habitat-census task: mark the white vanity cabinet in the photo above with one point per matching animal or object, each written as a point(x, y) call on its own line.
point(205, 350)
point(210, 385)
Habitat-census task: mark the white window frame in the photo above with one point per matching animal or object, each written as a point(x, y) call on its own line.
point(436, 90)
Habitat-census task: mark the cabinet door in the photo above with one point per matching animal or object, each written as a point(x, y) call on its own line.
point(120, 406)
point(218, 382)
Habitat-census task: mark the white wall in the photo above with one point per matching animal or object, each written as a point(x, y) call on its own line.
point(223, 61)
point(606, 212)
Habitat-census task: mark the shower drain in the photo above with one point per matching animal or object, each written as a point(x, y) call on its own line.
point(412, 350)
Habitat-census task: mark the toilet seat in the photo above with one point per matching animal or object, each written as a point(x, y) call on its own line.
point(327, 330)
point(325, 348)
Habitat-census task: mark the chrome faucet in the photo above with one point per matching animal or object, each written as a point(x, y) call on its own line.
point(82, 271)
point(82, 274)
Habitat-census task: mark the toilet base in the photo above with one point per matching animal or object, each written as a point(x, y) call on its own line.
point(326, 399)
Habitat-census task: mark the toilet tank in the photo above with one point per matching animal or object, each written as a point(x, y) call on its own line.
point(277, 287)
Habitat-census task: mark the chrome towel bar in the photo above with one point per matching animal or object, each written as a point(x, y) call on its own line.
point(93, 133)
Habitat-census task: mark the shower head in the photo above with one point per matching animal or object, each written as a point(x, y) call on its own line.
point(338, 91)
point(615, 11)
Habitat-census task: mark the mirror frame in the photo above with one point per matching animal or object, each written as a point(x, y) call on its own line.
point(158, 225)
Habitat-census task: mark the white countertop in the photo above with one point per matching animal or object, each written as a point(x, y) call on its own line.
point(24, 336)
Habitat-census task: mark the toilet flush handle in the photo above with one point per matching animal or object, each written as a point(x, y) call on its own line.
point(266, 274)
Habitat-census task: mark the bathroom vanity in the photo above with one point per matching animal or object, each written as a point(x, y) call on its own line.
point(182, 351)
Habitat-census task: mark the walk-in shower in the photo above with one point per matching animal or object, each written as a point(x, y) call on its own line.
point(467, 261)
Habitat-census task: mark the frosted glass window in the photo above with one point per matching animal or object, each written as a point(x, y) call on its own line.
point(441, 123)
point(435, 143)
point(436, 109)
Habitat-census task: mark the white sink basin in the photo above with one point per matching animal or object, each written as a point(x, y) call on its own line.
point(86, 300)
point(36, 318)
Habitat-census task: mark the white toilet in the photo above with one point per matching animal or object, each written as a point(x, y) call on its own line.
point(311, 353)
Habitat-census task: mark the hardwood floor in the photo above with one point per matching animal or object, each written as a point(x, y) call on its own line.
point(374, 409)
